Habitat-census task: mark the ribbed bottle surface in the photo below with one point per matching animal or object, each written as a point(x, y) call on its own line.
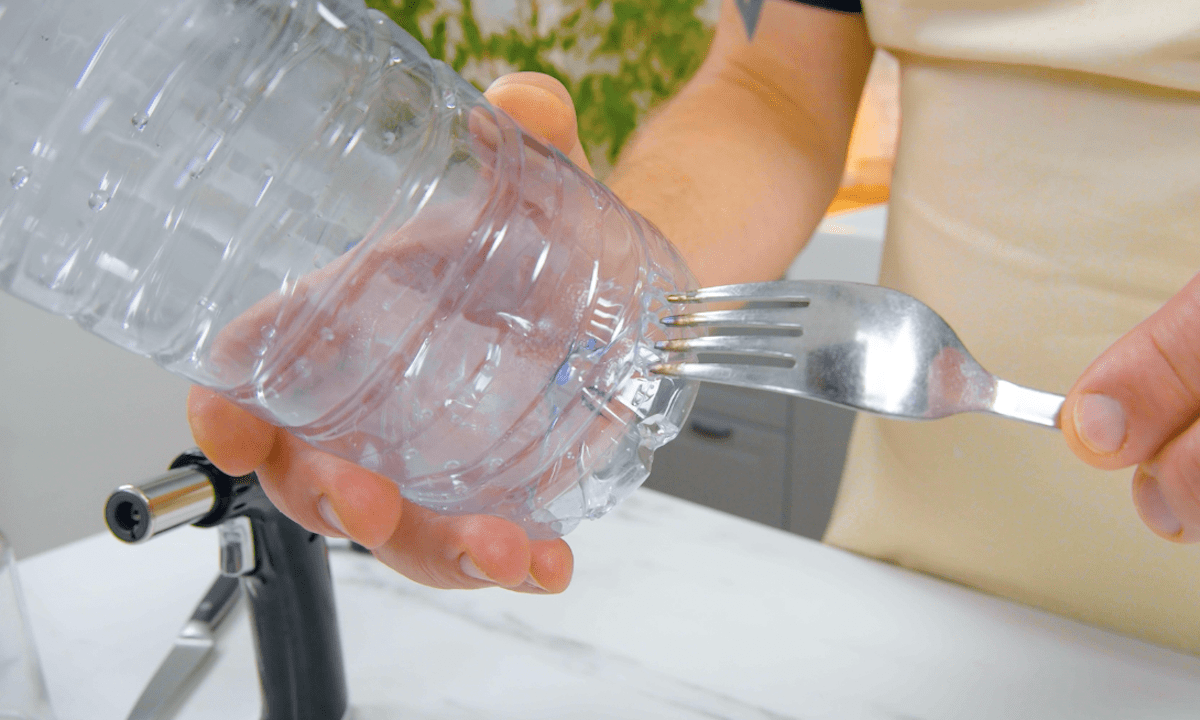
point(290, 203)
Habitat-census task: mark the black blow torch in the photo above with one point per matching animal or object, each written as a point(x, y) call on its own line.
point(283, 570)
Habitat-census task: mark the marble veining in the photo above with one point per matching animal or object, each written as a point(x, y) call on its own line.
point(599, 667)
point(676, 612)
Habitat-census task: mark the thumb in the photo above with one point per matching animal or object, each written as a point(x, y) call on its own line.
point(1138, 404)
point(543, 107)
point(1141, 392)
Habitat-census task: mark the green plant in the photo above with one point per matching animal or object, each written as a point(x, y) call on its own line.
point(618, 58)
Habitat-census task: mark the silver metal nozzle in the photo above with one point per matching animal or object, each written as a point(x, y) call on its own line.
point(136, 513)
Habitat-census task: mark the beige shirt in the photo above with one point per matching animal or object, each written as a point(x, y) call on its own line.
point(1046, 199)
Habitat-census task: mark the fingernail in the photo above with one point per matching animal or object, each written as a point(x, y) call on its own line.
point(1153, 507)
point(326, 509)
point(1100, 423)
point(470, 569)
point(502, 80)
point(532, 585)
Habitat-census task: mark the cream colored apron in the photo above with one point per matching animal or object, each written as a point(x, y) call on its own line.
point(1046, 199)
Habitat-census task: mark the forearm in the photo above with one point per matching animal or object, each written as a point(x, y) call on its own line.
point(737, 194)
point(738, 168)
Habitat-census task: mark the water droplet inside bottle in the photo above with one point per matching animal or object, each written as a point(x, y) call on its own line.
point(268, 332)
point(450, 98)
point(98, 199)
point(139, 121)
point(411, 454)
point(494, 463)
point(327, 334)
point(388, 137)
point(19, 177)
point(452, 465)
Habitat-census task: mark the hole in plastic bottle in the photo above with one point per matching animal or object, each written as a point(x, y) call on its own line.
point(97, 200)
point(19, 177)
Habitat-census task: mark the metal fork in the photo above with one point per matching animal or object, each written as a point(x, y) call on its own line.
point(860, 346)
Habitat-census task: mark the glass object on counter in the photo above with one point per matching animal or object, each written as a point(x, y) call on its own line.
point(23, 693)
point(288, 201)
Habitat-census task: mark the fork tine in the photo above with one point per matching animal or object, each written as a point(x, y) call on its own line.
point(780, 380)
point(775, 318)
point(753, 345)
point(782, 291)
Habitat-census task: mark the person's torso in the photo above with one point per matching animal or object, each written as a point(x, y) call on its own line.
point(1046, 199)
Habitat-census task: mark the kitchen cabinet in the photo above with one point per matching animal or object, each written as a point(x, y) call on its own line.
point(770, 458)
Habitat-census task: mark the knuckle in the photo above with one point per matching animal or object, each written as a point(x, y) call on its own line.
point(1179, 465)
point(1177, 364)
point(1172, 333)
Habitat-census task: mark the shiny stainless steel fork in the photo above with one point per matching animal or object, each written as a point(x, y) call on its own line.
point(861, 346)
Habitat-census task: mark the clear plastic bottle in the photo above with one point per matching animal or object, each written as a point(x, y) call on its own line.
point(289, 202)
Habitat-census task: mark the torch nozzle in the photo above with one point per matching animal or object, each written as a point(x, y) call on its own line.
point(136, 513)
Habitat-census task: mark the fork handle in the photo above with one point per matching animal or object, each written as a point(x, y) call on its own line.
point(1022, 403)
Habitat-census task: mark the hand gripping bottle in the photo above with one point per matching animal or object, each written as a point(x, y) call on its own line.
point(289, 202)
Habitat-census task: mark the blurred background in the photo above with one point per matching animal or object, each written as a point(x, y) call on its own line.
point(619, 59)
point(78, 417)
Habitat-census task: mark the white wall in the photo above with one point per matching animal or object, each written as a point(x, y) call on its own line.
point(847, 247)
point(78, 417)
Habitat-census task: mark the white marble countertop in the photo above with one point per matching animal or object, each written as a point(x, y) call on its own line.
point(676, 611)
